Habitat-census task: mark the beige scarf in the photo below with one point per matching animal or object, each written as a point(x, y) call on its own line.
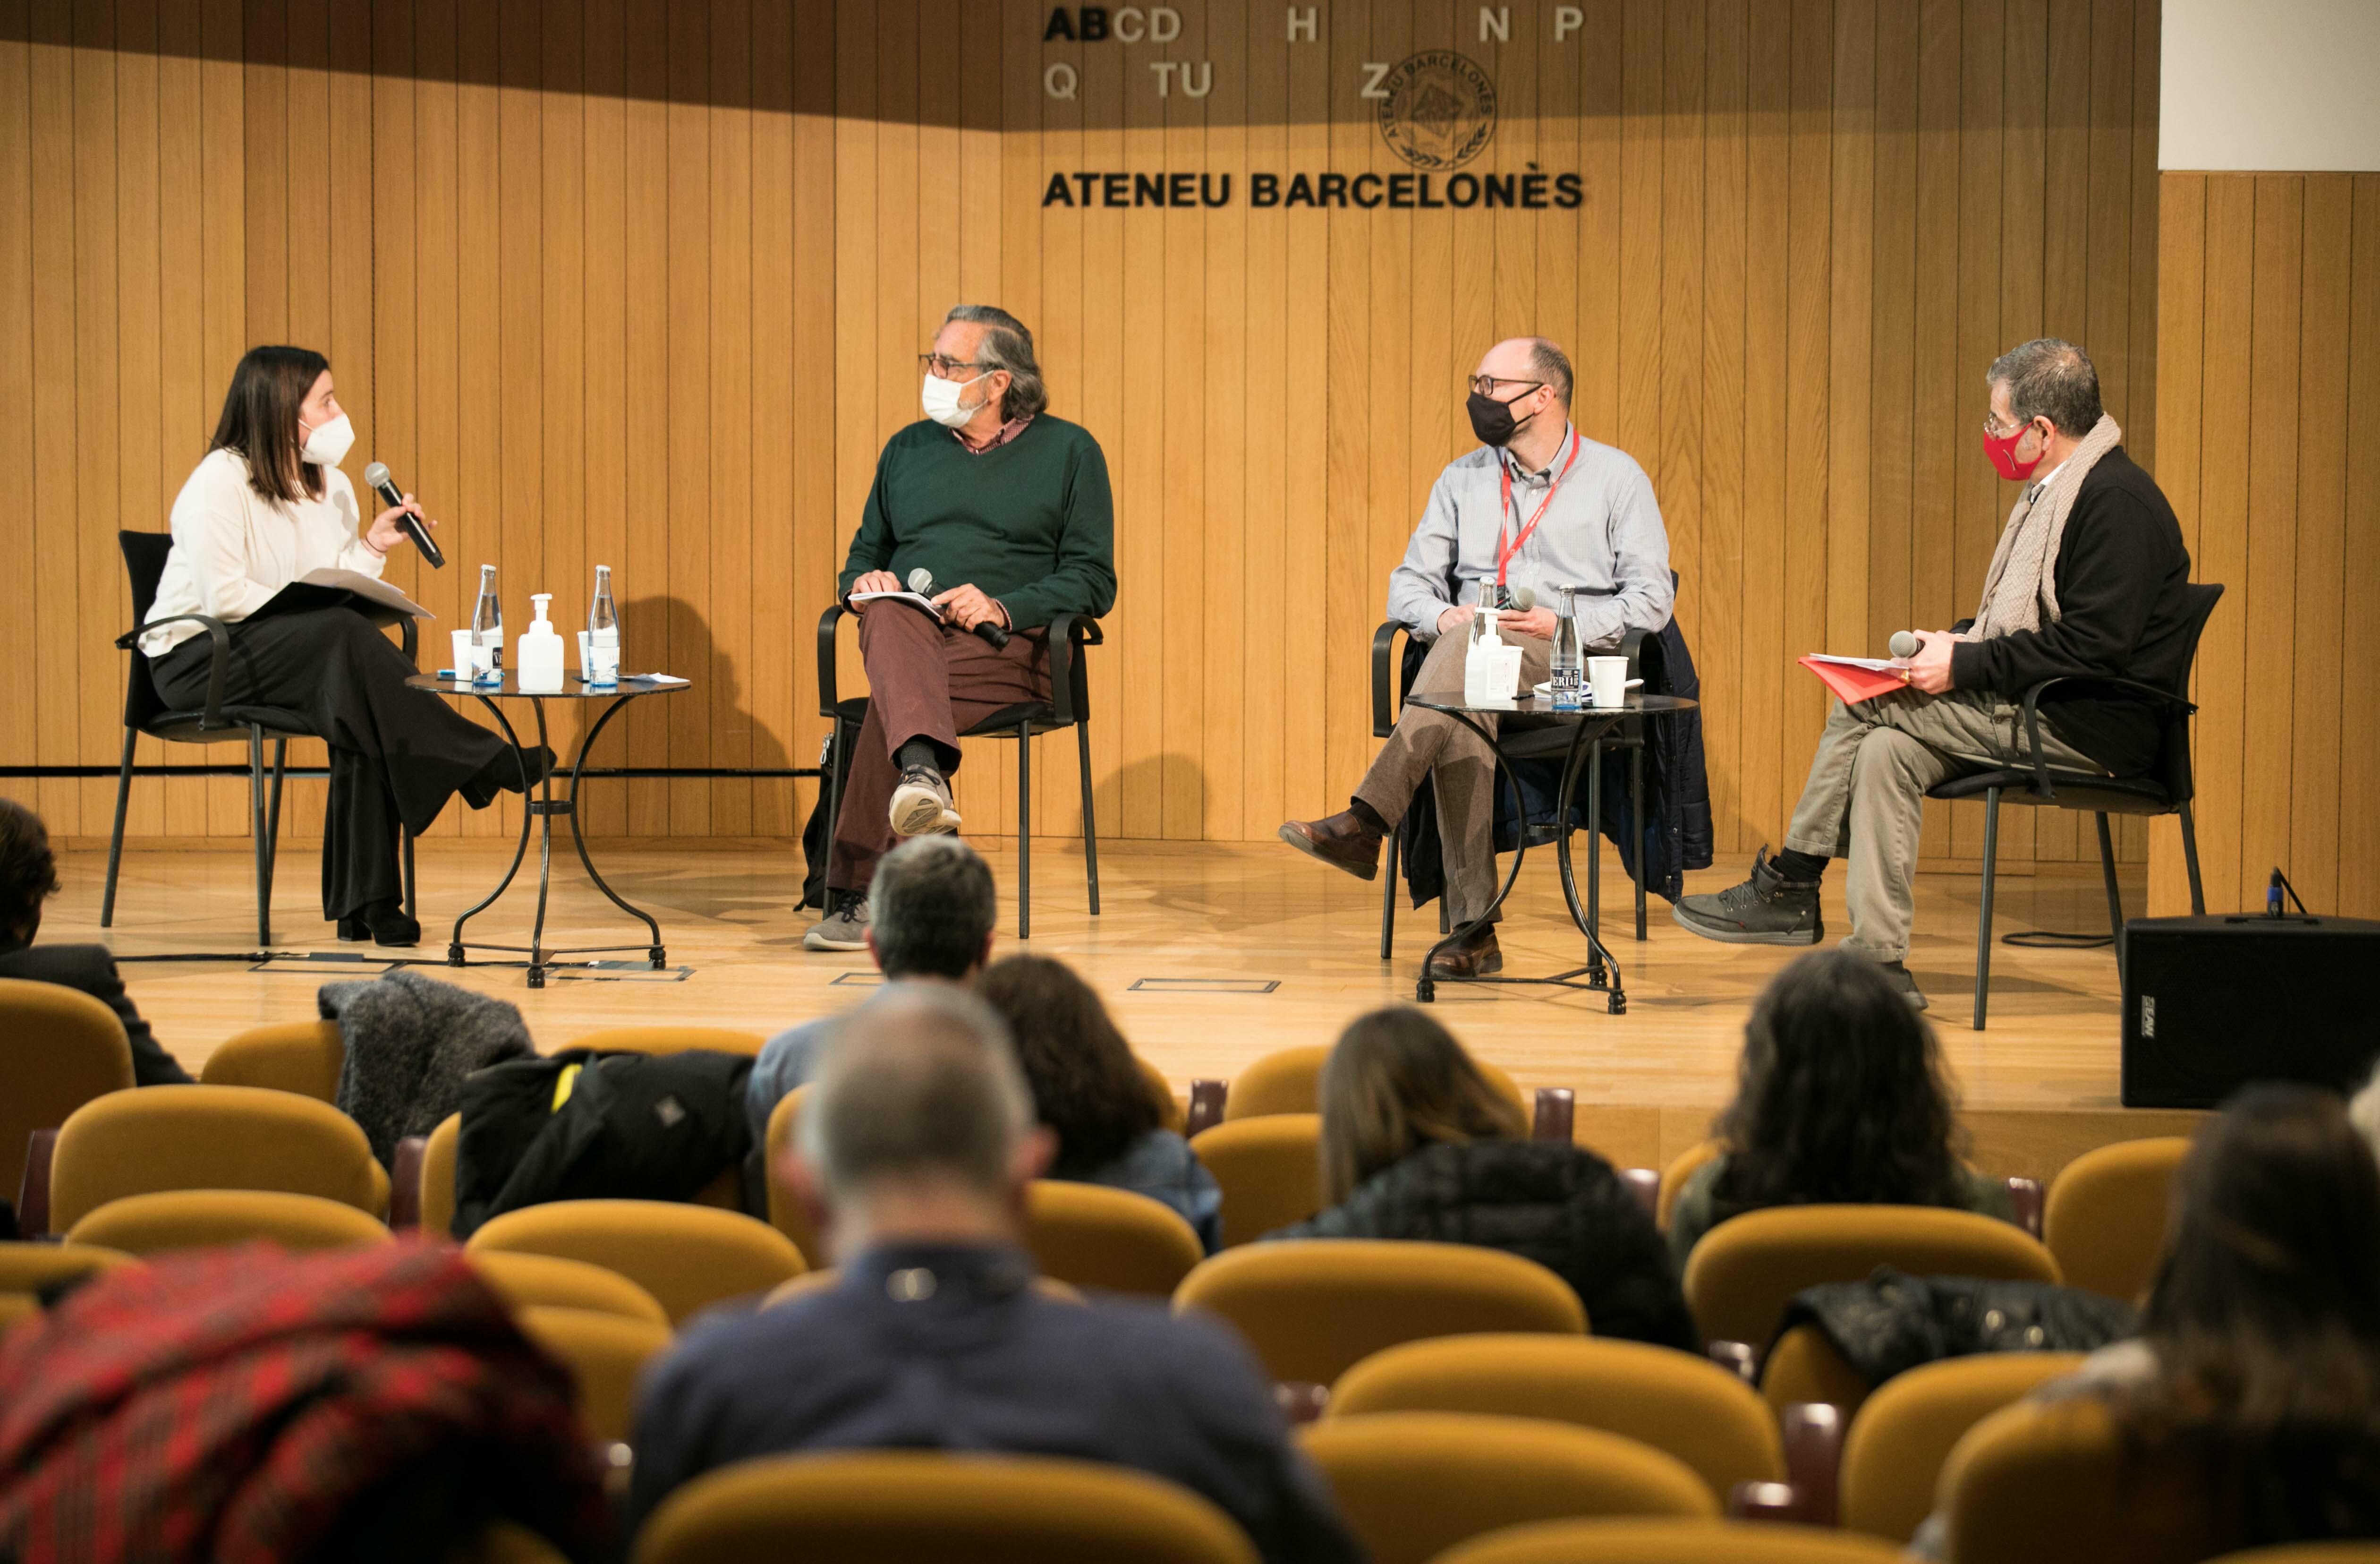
point(2022, 590)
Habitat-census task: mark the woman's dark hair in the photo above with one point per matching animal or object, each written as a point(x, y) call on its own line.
point(259, 421)
point(1840, 1097)
point(2265, 1320)
point(1086, 1086)
point(1397, 1082)
point(28, 874)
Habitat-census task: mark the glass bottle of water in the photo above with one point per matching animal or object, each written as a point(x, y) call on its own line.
point(604, 633)
point(488, 631)
point(1569, 669)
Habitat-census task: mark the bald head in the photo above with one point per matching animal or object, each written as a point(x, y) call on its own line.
point(1526, 359)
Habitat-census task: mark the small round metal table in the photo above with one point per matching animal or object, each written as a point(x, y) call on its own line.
point(542, 808)
point(1529, 729)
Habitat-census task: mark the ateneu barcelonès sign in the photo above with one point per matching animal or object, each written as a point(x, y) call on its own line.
point(1435, 109)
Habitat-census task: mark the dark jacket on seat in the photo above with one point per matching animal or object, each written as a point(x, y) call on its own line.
point(91, 970)
point(1557, 1204)
point(1890, 1321)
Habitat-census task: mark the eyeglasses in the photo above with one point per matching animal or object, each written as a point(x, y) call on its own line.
point(1998, 431)
point(940, 367)
point(1485, 384)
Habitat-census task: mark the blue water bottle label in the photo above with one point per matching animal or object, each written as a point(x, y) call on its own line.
point(1569, 688)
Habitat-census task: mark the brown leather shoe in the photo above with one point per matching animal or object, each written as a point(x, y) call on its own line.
point(1343, 841)
point(1478, 956)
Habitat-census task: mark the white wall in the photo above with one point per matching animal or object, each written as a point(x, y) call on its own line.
point(2270, 84)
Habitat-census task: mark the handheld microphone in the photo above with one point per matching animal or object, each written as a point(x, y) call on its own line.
point(1523, 598)
point(376, 475)
point(1905, 644)
point(921, 581)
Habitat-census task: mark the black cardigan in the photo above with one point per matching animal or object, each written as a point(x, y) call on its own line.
point(2121, 571)
point(1556, 1205)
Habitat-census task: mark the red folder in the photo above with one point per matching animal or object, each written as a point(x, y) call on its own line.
point(1853, 684)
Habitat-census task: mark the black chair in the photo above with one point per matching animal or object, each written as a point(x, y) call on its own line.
point(2167, 790)
point(1389, 675)
point(145, 712)
point(1069, 706)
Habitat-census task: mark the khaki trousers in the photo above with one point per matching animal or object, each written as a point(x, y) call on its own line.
point(1459, 763)
point(1865, 800)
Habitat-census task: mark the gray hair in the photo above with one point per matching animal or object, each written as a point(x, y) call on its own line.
point(920, 1083)
point(2049, 378)
point(931, 906)
point(1006, 346)
point(1552, 366)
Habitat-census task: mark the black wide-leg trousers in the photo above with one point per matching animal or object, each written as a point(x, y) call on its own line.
point(396, 755)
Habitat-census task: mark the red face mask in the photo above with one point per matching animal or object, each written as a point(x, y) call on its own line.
point(2003, 455)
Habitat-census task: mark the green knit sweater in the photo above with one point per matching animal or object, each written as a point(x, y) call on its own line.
point(1031, 523)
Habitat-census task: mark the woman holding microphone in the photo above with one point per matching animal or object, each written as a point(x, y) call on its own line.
point(267, 505)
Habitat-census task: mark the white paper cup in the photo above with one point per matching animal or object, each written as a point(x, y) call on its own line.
point(462, 639)
point(1607, 681)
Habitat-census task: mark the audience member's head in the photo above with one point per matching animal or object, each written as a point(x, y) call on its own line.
point(930, 909)
point(1088, 1088)
point(1397, 1082)
point(1840, 1094)
point(918, 1125)
point(29, 875)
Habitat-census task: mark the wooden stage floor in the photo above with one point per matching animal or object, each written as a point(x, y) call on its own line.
point(2038, 1087)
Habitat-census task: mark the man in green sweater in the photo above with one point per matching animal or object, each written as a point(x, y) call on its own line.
point(1008, 511)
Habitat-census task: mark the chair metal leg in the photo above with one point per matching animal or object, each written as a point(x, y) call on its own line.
point(116, 841)
point(1594, 839)
point(1023, 831)
point(1636, 828)
point(1091, 818)
point(272, 839)
point(1984, 918)
point(2190, 856)
point(407, 837)
point(2115, 894)
point(1389, 901)
point(261, 830)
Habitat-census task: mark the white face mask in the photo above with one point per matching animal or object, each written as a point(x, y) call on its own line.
point(941, 401)
point(327, 443)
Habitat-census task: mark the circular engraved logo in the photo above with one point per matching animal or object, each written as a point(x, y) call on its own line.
point(1441, 109)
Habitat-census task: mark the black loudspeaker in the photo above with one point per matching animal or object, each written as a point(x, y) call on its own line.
point(2210, 1004)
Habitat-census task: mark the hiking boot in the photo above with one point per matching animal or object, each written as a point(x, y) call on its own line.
point(1765, 909)
point(845, 927)
point(1343, 842)
point(1898, 975)
point(1476, 956)
point(921, 804)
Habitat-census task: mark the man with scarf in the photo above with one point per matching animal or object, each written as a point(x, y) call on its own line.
point(1538, 506)
point(2087, 580)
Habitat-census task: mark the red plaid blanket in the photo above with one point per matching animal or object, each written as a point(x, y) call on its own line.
point(231, 1404)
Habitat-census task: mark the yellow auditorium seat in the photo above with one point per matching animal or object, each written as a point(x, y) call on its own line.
point(900, 1504)
point(209, 1137)
point(1413, 1485)
point(688, 1257)
point(527, 1281)
point(1096, 1236)
point(1290, 1081)
point(508, 1542)
point(170, 1220)
point(1805, 1366)
point(1667, 1541)
point(2052, 1483)
point(1674, 1176)
point(1745, 1270)
point(785, 1213)
point(2105, 1213)
point(1674, 1401)
point(302, 1056)
point(1169, 1106)
point(1314, 1308)
point(1893, 1454)
point(1269, 1168)
point(437, 1193)
point(60, 1048)
point(26, 1268)
point(606, 1352)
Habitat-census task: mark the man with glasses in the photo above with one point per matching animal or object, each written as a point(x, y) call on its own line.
point(2086, 582)
point(1538, 506)
point(1008, 509)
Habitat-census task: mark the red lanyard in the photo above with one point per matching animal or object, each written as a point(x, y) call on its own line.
point(1505, 551)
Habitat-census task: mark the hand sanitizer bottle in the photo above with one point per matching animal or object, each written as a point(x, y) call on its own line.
point(540, 650)
point(1491, 669)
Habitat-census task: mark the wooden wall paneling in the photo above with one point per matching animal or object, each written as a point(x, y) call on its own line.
point(2223, 529)
point(1807, 239)
point(2317, 612)
point(1715, 632)
point(1642, 75)
point(308, 239)
point(385, 94)
point(49, 105)
point(2112, 149)
point(2141, 395)
point(2269, 599)
point(1677, 464)
point(1764, 788)
point(139, 375)
point(818, 539)
point(691, 569)
point(560, 469)
point(776, 198)
point(466, 536)
point(97, 414)
point(1386, 421)
point(1180, 436)
point(2181, 318)
point(2027, 833)
point(1223, 316)
point(2359, 752)
point(603, 235)
point(480, 536)
point(730, 656)
point(1938, 407)
point(184, 417)
point(1267, 549)
point(19, 538)
point(644, 585)
point(223, 243)
point(999, 184)
point(1136, 455)
point(1851, 319)
point(2065, 271)
point(1561, 106)
point(1347, 530)
point(1893, 259)
point(1980, 502)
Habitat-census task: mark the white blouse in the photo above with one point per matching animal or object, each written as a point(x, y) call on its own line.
point(233, 548)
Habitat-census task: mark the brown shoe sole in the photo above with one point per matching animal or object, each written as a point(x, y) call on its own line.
point(1313, 849)
point(1463, 966)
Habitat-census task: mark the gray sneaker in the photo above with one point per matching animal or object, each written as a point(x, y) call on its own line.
point(1898, 975)
point(1765, 909)
point(921, 804)
point(844, 928)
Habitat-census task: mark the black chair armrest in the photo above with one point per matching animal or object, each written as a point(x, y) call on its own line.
point(2032, 715)
point(1814, 1450)
point(410, 637)
point(1068, 634)
point(1384, 678)
point(1557, 1112)
point(1960, 627)
point(219, 658)
point(2026, 1199)
point(827, 622)
point(1207, 1100)
point(1632, 646)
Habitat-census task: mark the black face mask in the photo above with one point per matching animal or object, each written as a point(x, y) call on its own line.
point(1492, 420)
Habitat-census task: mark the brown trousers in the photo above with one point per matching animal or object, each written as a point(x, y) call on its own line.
point(925, 680)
